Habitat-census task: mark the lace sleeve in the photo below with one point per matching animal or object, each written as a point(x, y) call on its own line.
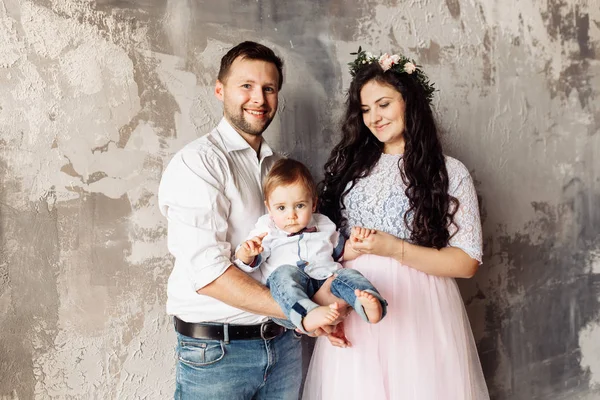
point(466, 229)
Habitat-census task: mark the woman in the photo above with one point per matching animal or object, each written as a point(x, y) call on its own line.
point(388, 173)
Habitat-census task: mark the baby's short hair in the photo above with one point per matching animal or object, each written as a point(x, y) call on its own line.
point(287, 171)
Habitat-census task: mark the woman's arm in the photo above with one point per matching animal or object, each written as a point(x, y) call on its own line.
point(461, 258)
point(449, 261)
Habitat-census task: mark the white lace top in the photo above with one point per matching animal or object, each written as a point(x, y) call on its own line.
point(378, 201)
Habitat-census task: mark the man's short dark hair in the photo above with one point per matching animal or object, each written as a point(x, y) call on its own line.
point(251, 51)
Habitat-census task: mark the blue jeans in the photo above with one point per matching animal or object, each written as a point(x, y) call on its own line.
point(242, 369)
point(293, 289)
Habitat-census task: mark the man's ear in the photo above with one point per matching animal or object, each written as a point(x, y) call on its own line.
point(219, 90)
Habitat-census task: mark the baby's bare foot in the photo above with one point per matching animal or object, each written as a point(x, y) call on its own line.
point(320, 316)
point(371, 305)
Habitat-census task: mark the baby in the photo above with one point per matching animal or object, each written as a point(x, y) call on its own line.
point(294, 250)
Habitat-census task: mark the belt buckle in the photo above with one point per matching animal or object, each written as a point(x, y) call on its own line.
point(263, 331)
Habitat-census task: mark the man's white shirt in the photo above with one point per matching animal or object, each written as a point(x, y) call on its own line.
point(211, 194)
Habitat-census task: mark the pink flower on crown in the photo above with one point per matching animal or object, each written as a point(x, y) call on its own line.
point(409, 67)
point(386, 61)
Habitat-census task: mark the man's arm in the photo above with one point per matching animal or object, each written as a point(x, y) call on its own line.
point(192, 197)
point(237, 289)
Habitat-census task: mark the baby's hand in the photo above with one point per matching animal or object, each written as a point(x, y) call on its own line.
point(251, 248)
point(358, 233)
point(254, 246)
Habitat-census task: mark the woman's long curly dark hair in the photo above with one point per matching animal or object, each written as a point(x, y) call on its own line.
point(424, 172)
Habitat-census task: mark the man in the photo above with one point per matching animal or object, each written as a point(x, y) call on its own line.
point(211, 195)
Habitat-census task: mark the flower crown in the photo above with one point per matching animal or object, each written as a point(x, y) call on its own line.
point(397, 63)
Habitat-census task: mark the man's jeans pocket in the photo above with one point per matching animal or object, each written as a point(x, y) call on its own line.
point(200, 353)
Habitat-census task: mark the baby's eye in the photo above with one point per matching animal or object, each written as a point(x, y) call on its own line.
point(281, 208)
point(300, 206)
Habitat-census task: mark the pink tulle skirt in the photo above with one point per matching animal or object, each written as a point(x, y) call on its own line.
point(422, 350)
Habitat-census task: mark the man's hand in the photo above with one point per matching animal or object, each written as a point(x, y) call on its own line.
point(250, 249)
point(321, 331)
point(338, 337)
point(334, 333)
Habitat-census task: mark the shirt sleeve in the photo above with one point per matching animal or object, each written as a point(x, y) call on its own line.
point(466, 231)
point(249, 267)
point(192, 198)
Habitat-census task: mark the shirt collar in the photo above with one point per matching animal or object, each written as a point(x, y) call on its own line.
point(233, 141)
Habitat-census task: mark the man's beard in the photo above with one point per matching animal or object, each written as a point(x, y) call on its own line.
point(240, 123)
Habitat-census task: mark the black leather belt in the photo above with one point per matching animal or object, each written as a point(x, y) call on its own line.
point(225, 332)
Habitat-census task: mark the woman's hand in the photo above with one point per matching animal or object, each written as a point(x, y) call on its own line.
point(378, 243)
point(448, 261)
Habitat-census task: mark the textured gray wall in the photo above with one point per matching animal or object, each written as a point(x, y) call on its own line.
point(96, 96)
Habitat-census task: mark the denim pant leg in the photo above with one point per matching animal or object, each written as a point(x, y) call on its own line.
point(346, 282)
point(284, 376)
point(292, 288)
point(240, 369)
point(211, 369)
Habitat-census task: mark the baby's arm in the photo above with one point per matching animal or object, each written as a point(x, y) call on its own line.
point(357, 234)
point(250, 249)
